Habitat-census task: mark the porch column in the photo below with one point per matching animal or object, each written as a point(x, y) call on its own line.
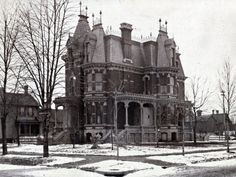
point(141, 114)
point(55, 126)
point(85, 114)
point(155, 121)
point(126, 114)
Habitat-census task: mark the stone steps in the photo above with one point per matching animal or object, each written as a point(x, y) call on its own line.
point(28, 140)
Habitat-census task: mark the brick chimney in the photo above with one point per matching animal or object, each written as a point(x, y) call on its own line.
point(26, 89)
point(199, 113)
point(217, 111)
point(126, 30)
point(213, 111)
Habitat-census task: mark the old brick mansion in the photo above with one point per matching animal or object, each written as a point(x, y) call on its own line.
point(114, 82)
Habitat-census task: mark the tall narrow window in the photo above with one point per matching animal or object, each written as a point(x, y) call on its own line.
point(30, 111)
point(89, 81)
point(146, 85)
point(171, 85)
point(173, 56)
point(22, 111)
point(98, 81)
point(87, 52)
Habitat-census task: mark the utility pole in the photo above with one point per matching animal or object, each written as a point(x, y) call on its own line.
point(226, 121)
point(116, 128)
point(182, 135)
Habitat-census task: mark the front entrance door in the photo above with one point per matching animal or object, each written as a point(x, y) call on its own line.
point(173, 136)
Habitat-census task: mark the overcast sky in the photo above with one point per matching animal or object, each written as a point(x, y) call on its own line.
point(204, 30)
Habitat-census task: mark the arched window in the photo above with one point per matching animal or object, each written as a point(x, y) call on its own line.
point(146, 84)
point(72, 84)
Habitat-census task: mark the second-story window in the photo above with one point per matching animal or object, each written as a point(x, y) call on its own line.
point(89, 81)
point(98, 81)
point(172, 85)
point(30, 111)
point(22, 111)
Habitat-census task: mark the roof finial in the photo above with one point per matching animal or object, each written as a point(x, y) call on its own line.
point(93, 18)
point(166, 25)
point(160, 23)
point(100, 16)
point(80, 5)
point(86, 8)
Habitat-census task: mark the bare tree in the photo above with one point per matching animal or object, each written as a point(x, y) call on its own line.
point(44, 27)
point(8, 65)
point(227, 84)
point(199, 94)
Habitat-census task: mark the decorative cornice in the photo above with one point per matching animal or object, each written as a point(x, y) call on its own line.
point(127, 67)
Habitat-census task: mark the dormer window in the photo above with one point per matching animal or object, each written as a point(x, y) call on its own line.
point(173, 56)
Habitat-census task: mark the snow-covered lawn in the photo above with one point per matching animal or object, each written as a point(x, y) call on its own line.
point(16, 167)
point(55, 160)
point(190, 159)
point(105, 149)
point(62, 172)
point(38, 171)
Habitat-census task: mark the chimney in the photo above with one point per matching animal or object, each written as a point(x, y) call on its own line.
point(26, 89)
point(199, 113)
point(217, 111)
point(213, 111)
point(126, 30)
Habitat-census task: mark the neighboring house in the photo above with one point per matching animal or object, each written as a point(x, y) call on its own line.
point(211, 124)
point(22, 116)
point(114, 81)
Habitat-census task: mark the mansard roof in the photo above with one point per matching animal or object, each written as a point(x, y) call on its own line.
point(107, 47)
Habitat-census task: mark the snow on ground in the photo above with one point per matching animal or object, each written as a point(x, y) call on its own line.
point(223, 163)
point(16, 167)
point(38, 171)
point(62, 160)
point(62, 172)
point(189, 159)
point(55, 160)
point(135, 168)
point(105, 149)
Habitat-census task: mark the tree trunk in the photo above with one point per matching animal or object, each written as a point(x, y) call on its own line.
point(18, 133)
point(45, 144)
point(4, 138)
point(194, 128)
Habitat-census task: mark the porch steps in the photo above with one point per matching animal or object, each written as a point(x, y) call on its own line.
point(216, 138)
point(107, 136)
point(59, 137)
point(122, 137)
point(28, 140)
